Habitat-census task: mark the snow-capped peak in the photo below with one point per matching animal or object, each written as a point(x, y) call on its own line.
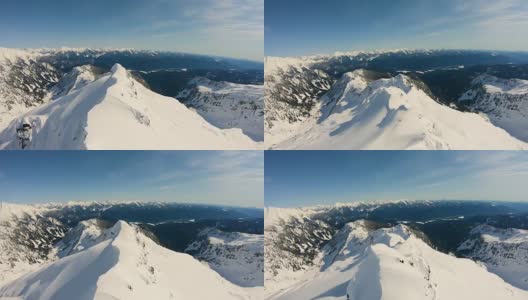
point(368, 262)
point(117, 112)
point(124, 265)
point(118, 70)
point(392, 113)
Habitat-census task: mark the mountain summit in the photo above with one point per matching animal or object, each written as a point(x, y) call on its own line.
point(365, 110)
point(115, 111)
point(364, 262)
point(122, 263)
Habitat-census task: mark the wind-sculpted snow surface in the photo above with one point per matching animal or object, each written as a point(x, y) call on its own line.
point(504, 251)
point(365, 262)
point(227, 105)
point(238, 257)
point(504, 101)
point(124, 264)
point(389, 113)
point(117, 112)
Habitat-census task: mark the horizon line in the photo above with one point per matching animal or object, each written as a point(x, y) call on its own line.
point(88, 202)
point(122, 49)
point(393, 201)
point(351, 52)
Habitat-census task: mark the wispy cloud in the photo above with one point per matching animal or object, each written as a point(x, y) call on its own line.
point(221, 170)
point(228, 19)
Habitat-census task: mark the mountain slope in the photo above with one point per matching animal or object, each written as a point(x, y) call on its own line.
point(126, 265)
point(24, 83)
point(504, 251)
point(367, 263)
point(34, 235)
point(77, 78)
point(504, 101)
point(238, 257)
point(361, 112)
point(227, 105)
point(117, 112)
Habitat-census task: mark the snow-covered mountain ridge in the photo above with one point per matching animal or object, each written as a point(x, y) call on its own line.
point(34, 236)
point(363, 261)
point(117, 112)
point(31, 78)
point(297, 89)
point(122, 263)
point(387, 113)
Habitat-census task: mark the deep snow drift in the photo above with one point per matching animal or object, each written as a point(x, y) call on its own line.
point(387, 113)
point(117, 112)
point(366, 263)
point(122, 263)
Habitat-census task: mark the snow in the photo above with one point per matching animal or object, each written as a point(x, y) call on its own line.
point(503, 251)
point(275, 64)
point(392, 263)
point(504, 101)
point(238, 257)
point(126, 265)
point(9, 211)
point(77, 78)
point(12, 55)
point(16, 80)
point(117, 112)
point(391, 114)
point(228, 105)
point(274, 215)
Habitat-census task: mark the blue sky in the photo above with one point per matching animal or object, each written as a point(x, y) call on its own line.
point(233, 28)
point(303, 27)
point(211, 177)
point(301, 178)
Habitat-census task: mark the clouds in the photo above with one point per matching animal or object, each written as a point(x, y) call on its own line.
point(225, 18)
point(315, 27)
point(226, 26)
point(476, 24)
point(234, 177)
point(232, 28)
